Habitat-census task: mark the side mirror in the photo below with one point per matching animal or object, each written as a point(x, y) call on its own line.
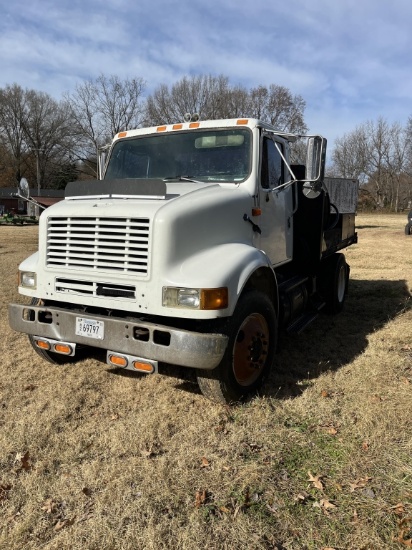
point(315, 159)
point(101, 160)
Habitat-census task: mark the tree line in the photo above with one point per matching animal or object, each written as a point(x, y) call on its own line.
point(379, 154)
point(51, 142)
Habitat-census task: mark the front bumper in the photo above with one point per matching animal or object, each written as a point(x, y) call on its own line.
point(147, 340)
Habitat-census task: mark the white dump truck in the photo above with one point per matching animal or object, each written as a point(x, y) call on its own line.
point(199, 242)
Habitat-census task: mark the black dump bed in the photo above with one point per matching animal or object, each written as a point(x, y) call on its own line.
point(339, 229)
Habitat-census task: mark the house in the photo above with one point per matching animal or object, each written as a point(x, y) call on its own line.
point(10, 202)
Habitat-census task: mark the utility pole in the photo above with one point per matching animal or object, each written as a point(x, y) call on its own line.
point(37, 152)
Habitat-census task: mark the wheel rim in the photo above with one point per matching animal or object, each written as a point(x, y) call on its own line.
point(341, 288)
point(250, 349)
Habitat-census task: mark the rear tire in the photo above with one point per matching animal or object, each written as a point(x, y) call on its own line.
point(408, 228)
point(333, 282)
point(246, 364)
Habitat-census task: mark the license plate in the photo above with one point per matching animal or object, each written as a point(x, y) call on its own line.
point(89, 328)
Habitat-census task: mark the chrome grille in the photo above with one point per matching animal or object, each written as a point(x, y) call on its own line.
point(104, 244)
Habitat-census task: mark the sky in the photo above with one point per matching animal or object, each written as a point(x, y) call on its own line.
point(350, 60)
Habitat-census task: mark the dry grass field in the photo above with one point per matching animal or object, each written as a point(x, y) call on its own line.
point(93, 458)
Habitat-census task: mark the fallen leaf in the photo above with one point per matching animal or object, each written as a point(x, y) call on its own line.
point(324, 393)
point(404, 529)
point(205, 462)
point(316, 480)
point(30, 387)
point(325, 503)
point(365, 445)
point(200, 498)
point(359, 483)
point(86, 491)
point(23, 459)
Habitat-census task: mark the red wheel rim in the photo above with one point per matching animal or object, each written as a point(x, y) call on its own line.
point(250, 349)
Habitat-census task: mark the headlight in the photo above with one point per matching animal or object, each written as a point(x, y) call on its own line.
point(28, 279)
point(196, 298)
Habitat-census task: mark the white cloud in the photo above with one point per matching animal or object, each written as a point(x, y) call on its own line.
point(349, 60)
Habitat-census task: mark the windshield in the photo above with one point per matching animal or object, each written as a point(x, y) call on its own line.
point(206, 156)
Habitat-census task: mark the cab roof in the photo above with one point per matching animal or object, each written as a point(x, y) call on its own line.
point(206, 124)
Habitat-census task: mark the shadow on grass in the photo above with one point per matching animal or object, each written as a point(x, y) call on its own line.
point(332, 342)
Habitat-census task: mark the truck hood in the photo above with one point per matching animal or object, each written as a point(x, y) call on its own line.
point(119, 203)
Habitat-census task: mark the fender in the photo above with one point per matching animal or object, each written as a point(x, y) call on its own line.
point(231, 265)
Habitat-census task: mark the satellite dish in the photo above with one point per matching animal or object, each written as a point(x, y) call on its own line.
point(24, 188)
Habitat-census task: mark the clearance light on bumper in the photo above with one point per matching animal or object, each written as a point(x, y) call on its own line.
point(196, 298)
point(48, 344)
point(131, 362)
point(27, 279)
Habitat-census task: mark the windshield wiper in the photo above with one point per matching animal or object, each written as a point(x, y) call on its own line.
point(182, 178)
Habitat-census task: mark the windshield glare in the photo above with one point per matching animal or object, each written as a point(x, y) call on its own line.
point(207, 156)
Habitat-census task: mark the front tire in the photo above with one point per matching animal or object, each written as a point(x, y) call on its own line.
point(252, 332)
point(408, 228)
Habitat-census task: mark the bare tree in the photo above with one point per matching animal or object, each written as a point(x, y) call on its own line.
point(350, 157)
point(47, 132)
point(379, 154)
point(34, 130)
point(100, 109)
point(12, 113)
point(208, 96)
point(212, 98)
point(276, 105)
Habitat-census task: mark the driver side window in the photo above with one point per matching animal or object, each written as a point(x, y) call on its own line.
point(272, 165)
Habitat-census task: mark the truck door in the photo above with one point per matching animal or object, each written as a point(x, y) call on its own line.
point(276, 205)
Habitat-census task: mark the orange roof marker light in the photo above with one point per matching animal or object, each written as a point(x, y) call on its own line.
point(194, 125)
point(242, 121)
point(177, 126)
point(122, 134)
point(161, 128)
